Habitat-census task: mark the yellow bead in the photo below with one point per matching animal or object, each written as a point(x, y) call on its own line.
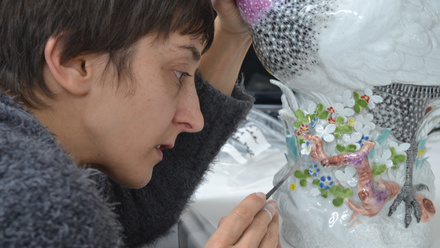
point(293, 186)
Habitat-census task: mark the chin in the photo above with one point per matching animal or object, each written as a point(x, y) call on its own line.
point(133, 180)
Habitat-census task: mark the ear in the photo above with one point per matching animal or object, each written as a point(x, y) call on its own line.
point(74, 76)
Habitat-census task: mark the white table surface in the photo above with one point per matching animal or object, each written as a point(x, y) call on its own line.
point(217, 195)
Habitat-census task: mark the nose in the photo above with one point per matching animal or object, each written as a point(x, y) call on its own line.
point(188, 116)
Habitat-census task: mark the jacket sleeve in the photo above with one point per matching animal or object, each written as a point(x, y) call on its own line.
point(150, 212)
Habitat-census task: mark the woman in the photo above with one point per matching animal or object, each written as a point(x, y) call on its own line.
point(110, 85)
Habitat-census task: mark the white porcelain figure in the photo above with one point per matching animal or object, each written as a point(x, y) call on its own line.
point(361, 92)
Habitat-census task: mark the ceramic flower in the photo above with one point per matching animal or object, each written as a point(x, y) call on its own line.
point(326, 132)
point(363, 140)
point(331, 120)
point(346, 99)
point(314, 122)
point(306, 148)
point(400, 149)
point(397, 176)
point(352, 138)
point(342, 111)
point(348, 177)
point(384, 158)
point(314, 170)
point(304, 127)
point(315, 192)
point(311, 108)
point(351, 121)
point(326, 182)
point(371, 99)
point(331, 110)
point(364, 124)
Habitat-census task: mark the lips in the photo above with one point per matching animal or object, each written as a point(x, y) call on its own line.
point(160, 148)
point(159, 151)
point(164, 147)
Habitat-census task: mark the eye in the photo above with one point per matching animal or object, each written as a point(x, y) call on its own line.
point(181, 75)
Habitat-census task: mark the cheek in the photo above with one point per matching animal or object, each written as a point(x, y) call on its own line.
point(131, 175)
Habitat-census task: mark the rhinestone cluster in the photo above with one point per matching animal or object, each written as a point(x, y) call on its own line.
point(285, 32)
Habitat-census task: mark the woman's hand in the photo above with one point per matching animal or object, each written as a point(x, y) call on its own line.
point(252, 223)
point(221, 64)
point(229, 17)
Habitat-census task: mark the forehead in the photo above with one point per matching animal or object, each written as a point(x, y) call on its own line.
point(175, 42)
point(188, 42)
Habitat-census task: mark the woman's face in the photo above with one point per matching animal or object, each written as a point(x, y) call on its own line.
point(128, 126)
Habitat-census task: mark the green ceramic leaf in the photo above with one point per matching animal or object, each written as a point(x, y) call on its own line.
point(340, 148)
point(377, 170)
point(356, 95)
point(297, 124)
point(299, 114)
point(298, 174)
point(303, 183)
point(351, 148)
point(357, 108)
point(335, 190)
point(393, 151)
point(347, 193)
point(319, 108)
point(400, 158)
point(306, 173)
point(324, 193)
point(323, 115)
point(346, 128)
point(363, 103)
point(339, 120)
point(307, 119)
point(316, 182)
point(338, 201)
point(338, 133)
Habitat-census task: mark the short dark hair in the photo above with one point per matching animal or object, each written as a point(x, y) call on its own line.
point(87, 26)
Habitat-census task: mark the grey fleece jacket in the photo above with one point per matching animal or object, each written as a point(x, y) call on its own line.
point(47, 201)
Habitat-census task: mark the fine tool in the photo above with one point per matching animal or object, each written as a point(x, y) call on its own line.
point(291, 171)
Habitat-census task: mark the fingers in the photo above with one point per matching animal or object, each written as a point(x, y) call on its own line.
point(222, 220)
point(263, 231)
point(252, 223)
point(233, 226)
point(272, 237)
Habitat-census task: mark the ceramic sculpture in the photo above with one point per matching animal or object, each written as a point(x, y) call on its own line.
point(361, 92)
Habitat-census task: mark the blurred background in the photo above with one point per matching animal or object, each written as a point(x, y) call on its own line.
point(257, 83)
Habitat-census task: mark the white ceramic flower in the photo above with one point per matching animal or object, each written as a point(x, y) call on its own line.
point(384, 158)
point(342, 111)
point(306, 148)
point(352, 138)
point(397, 176)
point(400, 149)
point(372, 99)
point(311, 108)
point(351, 121)
point(315, 192)
point(346, 99)
point(364, 124)
point(325, 132)
point(348, 177)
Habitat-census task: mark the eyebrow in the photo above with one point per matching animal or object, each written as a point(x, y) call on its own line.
point(195, 53)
